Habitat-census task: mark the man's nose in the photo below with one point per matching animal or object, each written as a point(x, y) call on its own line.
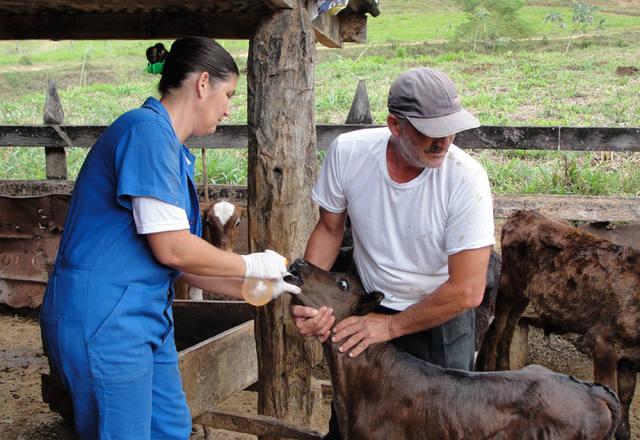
point(442, 142)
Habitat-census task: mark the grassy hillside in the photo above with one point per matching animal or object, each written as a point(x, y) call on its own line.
point(531, 82)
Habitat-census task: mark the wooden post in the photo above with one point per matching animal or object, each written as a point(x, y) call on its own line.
point(360, 111)
point(282, 168)
point(55, 157)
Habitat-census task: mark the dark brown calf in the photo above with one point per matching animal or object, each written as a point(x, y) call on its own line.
point(388, 394)
point(575, 282)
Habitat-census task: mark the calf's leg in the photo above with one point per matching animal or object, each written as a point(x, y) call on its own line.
point(626, 387)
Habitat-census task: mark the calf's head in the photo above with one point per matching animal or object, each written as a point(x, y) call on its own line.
point(222, 220)
point(343, 292)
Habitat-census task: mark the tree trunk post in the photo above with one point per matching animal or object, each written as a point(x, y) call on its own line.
point(55, 157)
point(282, 168)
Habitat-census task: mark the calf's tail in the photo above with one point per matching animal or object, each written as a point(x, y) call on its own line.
point(613, 403)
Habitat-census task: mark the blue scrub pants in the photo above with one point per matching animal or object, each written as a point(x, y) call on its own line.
point(121, 372)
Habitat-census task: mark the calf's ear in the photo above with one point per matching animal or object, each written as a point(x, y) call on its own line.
point(368, 302)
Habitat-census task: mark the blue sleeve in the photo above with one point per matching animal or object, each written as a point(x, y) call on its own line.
point(147, 164)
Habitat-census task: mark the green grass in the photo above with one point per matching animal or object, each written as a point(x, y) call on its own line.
point(529, 82)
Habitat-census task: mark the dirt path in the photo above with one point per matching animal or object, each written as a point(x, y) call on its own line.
point(23, 415)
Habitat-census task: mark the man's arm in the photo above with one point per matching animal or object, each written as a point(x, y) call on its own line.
point(324, 244)
point(464, 289)
point(322, 249)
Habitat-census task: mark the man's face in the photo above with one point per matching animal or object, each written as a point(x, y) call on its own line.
point(420, 150)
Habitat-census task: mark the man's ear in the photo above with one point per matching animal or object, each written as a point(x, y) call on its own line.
point(368, 303)
point(393, 122)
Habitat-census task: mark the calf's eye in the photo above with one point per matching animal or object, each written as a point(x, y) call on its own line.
point(343, 284)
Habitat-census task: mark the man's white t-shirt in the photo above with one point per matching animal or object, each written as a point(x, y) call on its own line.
point(404, 232)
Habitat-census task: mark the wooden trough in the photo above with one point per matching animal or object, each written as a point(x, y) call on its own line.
point(217, 357)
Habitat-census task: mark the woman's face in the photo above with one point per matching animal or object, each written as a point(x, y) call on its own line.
point(215, 105)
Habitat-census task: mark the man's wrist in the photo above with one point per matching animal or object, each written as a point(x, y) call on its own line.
point(390, 324)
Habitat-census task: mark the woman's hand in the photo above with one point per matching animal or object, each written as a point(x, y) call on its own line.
point(266, 265)
point(281, 286)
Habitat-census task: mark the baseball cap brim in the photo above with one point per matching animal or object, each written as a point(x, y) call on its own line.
point(445, 125)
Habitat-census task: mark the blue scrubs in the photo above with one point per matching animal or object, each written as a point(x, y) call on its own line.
point(106, 318)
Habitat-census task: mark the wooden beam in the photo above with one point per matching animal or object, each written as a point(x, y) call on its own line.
point(277, 4)
point(255, 424)
point(44, 6)
point(485, 137)
point(327, 30)
point(360, 111)
point(127, 26)
point(205, 367)
point(282, 165)
point(552, 138)
point(332, 31)
point(353, 27)
point(55, 157)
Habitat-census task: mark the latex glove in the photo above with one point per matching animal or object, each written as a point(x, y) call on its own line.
point(266, 265)
point(281, 286)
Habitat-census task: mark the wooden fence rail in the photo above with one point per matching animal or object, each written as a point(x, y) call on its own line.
point(235, 136)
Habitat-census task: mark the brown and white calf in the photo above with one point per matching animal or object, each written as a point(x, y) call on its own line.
point(387, 394)
point(221, 222)
point(572, 281)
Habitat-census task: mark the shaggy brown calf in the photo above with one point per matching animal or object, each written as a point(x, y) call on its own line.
point(387, 394)
point(575, 282)
point(221, 220)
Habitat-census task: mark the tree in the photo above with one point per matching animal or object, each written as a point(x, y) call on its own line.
point(556, 18)
point(491, 21)
point(583, 20)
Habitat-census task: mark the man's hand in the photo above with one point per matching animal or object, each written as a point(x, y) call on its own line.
point(361, 332)
point(313, 322)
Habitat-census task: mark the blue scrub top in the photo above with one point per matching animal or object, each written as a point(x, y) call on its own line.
point(138, 155)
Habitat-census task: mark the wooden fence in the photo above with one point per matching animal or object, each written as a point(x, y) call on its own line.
point(55, 137)
point(581, 208)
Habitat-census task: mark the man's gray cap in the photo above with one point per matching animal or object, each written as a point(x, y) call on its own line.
point(428, 98)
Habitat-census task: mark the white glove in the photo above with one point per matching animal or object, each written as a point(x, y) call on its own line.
point(281, 286)
point(266, 265)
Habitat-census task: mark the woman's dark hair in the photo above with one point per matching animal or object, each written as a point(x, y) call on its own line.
point(194, 55)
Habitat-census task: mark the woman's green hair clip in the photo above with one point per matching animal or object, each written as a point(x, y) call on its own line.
point(155, 67)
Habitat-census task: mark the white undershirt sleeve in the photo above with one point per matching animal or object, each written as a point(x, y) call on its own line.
point(153, 215)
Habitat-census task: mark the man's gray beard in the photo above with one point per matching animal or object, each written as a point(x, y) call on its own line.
point(402, 144)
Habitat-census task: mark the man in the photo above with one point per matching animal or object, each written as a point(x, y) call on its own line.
point(422, 223)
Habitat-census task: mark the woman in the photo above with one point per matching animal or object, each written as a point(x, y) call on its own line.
point(132, 228)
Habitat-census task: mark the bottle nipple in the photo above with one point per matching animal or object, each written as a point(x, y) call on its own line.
point(257, 291)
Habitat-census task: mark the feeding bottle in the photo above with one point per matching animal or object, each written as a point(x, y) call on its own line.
point(257, 291)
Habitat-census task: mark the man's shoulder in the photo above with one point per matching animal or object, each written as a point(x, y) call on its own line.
point(365, 134)
point(460, 159)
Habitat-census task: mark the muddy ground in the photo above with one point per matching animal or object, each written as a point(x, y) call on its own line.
point(24, 416)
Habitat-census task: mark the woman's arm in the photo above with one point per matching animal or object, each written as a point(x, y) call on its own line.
point(191, 254)
point(228, 286)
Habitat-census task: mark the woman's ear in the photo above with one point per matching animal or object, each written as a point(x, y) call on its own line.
point(202, 83)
